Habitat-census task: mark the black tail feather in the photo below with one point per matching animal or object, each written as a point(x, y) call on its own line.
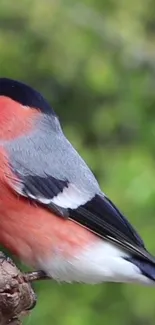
point(146, 268)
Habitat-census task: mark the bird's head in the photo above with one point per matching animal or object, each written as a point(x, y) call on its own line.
point(24, 95)
point(20, 103)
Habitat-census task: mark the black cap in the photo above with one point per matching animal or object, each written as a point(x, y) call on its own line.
point(24, 95)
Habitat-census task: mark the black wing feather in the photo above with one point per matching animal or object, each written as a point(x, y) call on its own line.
point(41, 189)
point(100, 211)
point(103, 218)
point(46, 186)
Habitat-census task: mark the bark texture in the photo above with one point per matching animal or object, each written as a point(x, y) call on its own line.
point(16, 294)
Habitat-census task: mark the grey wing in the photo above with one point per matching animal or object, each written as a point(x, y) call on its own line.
point(51, 172)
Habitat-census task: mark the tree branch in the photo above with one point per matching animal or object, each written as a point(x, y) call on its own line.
point(16, 294)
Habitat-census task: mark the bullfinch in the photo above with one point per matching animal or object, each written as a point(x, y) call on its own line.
point(53, 213)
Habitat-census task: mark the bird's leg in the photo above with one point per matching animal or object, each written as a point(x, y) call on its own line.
point(35, 276)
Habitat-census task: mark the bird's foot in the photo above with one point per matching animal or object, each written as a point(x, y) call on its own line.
point(35, 276)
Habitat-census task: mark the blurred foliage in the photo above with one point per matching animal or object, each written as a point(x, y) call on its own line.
point(95, 63)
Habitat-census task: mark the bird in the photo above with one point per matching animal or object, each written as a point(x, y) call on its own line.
point(53, 214)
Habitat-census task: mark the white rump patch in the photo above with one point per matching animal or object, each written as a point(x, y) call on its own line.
point(102, 262)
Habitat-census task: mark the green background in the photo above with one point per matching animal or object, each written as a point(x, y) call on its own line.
point(94, 60)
